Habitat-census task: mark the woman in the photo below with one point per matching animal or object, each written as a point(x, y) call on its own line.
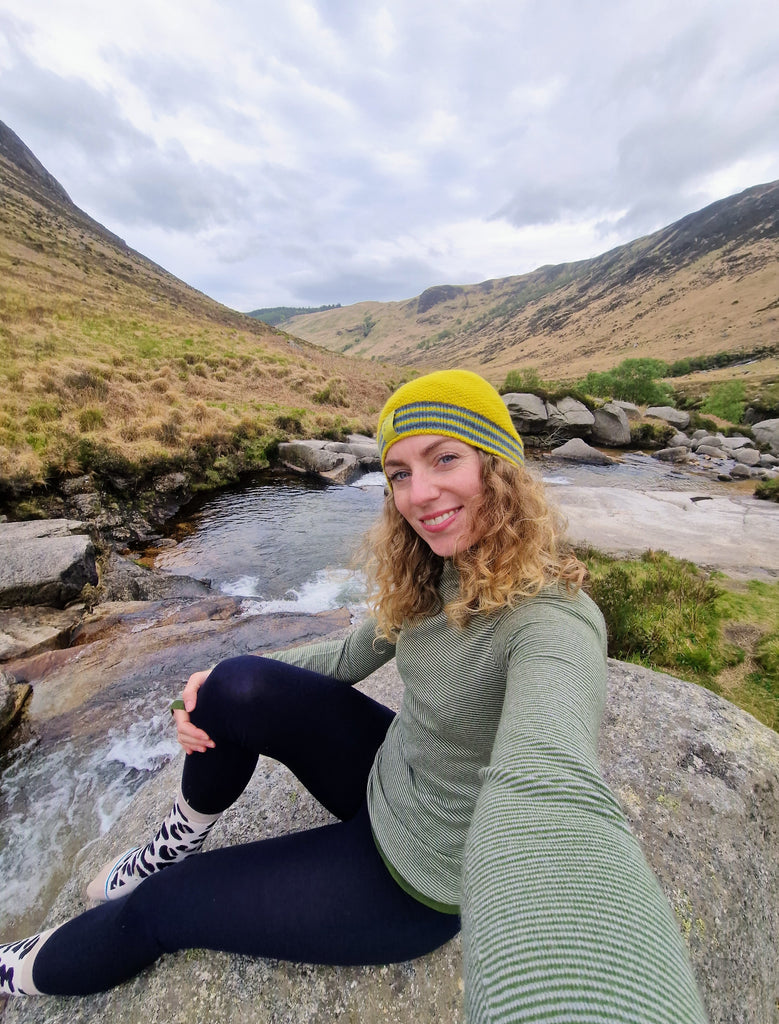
point(481, 800)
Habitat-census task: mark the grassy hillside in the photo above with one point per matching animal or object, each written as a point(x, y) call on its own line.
point(108, 362)
point(707, 283)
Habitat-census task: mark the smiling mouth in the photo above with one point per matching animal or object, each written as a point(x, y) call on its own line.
point(441, 519)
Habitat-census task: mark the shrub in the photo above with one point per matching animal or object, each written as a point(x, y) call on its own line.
point(333, 393)
point(726, 401)
point(659, 611)
point(634, 380)
point(651, 435)
point(698, 422)
point(291, 422)
point(45, 412)
point(521, 380)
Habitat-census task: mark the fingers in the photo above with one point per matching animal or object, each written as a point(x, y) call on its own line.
point(192, 739)
point(195, 681)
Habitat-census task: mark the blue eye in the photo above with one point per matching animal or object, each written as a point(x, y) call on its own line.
point(399, 474)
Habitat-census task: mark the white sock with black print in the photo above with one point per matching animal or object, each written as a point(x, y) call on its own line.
point(181, 834)
point(16, 960)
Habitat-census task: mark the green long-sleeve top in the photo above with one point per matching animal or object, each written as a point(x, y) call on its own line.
point(486, 794)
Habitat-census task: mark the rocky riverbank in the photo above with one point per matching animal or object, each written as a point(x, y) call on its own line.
point(696, 777)
point(131, 513)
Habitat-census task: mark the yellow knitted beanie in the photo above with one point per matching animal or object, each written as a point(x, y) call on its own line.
point(453, 403)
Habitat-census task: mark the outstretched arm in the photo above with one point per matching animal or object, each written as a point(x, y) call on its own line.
point(563, 920)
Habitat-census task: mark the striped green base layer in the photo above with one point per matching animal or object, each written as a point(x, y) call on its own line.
point(442, 908)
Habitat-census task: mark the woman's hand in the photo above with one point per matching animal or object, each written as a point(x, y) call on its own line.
point(192, 739)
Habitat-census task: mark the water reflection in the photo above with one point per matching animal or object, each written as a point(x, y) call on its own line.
point(272, 541)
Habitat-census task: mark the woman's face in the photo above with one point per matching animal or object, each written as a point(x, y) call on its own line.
point(437, 487)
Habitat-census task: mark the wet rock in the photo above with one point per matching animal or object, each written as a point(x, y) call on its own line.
point(675, 453)
point(331, 460)
point(138, 643)
point(577, 450)
point(30, 630)
point(13, 698)
point(44, 562)
point(711, 451)
point(123, 580)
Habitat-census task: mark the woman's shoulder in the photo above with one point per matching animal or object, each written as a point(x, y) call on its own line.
point(553, 605)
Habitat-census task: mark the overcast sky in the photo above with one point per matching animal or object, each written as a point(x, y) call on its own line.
point(301, 152)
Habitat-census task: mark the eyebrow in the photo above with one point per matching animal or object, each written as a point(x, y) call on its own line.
point(389, 461)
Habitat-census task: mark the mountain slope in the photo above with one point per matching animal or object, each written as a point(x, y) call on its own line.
point(107, 360)
point(705, 284)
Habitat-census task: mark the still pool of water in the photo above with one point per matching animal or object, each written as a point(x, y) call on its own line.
point(289, 545)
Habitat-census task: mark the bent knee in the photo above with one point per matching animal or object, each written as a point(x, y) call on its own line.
point(234, 685)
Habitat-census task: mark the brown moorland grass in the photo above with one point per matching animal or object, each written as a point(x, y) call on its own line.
point(704, 285)
point(109, 363)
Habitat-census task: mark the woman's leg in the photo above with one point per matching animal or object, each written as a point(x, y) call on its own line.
point(321, 896)
point(325, 731)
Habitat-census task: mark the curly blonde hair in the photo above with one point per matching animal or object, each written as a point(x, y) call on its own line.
point(518, 553)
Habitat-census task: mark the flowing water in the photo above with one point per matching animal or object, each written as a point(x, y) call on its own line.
point(284, 545)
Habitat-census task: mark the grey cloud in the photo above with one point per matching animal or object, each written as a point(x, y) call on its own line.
point(107, 165)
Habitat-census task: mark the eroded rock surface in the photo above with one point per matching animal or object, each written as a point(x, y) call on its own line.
point(698, 780)
point(45, 562)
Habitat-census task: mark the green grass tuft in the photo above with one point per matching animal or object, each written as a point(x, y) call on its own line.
point(669, 615)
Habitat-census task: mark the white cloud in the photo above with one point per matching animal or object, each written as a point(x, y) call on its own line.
point(315, 152)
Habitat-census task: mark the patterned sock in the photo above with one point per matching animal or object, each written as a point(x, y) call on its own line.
point(181, 834)
point(16, 960)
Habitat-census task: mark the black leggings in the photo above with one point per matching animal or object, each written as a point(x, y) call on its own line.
point(320, 896)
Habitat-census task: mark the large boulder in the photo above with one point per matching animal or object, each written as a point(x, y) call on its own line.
point(340, 462)
point(528, 412)
point(697, 779)
point(631, 410)
point(746, 456)
point(577, 450)
point(44, 562)
point(611, 425)
point(313, 457)
point(571, 416)
point(767, 432)
point(676, 417)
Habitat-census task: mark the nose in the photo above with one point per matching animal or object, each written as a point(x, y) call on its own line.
point(423, 486)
